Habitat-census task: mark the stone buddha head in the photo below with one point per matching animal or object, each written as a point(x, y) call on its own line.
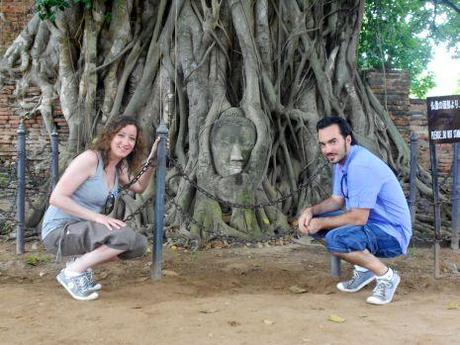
point(233, 137)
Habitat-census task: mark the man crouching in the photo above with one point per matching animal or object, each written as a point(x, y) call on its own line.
point(367, 216)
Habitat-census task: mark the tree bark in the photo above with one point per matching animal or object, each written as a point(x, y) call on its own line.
point(281, 64)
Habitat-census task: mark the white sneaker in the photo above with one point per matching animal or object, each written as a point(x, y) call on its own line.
point(385, 289)
point(93, 285)
point(357, 282)
point(77, 286)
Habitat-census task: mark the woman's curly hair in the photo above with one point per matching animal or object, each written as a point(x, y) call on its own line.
point(102, 143)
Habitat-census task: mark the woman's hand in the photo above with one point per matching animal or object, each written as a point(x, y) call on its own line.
point(146, 177)
point(109, 222)
point(154, 149)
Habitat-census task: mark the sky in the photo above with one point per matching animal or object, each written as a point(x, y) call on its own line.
point(446, 71)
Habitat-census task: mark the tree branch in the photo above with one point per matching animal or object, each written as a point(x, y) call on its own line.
point(448, 3)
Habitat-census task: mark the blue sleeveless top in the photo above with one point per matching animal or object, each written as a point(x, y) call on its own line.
point(91, 194)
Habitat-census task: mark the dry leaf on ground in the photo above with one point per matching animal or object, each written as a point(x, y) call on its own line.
point(336, 318)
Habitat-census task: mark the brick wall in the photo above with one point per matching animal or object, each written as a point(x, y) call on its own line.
point(37, 139)
point(14, 15)
point(409, 115)
point(392, 90)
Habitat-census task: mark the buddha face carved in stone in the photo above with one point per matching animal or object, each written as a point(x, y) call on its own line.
point(233, 137)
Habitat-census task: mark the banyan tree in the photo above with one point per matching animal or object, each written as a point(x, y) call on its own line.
point(240, 84)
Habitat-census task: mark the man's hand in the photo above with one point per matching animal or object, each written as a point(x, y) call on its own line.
point(314, 226)
point(304, 220)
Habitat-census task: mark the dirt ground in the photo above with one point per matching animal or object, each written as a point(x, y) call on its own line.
point(269, 295)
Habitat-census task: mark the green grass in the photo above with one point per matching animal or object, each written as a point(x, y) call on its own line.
point(35, 260)
point(4, 181)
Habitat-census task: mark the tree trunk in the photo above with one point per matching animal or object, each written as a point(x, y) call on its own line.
point(250, 80)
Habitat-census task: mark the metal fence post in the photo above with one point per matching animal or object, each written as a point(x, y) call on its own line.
point(456, 198)
point(413, 176)
point(437, 210)
point(54, 158)
point(162, 132)
point(21, 188)
point(335, 262)
point(336, 266)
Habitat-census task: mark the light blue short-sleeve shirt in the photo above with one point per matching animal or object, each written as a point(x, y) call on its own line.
point(365, 181)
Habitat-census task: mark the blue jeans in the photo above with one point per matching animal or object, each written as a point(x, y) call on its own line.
point(356, 238)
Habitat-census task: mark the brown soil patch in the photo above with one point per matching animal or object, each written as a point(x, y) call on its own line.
point(227, 297)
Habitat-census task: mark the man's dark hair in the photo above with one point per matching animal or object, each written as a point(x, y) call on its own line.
point(344, 126)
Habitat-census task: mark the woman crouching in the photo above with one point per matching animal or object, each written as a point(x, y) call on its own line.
point(74, 225)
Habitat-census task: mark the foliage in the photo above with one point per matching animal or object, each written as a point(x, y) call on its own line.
point(46, 9)
point(108, 17)
point(421, 84)
point(35, 260)
point(457, 89)
point(4, 180)
point(401, 34)
point(6, 227)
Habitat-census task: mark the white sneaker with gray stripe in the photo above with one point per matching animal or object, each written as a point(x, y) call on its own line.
point(77, 287)
point(357, 282)
point(93, 285)
point(384, 290)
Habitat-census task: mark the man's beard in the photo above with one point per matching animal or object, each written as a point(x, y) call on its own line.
point(345, 155)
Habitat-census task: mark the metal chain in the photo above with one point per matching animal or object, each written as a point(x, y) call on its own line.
point(238, 205)
point(148, 164)
point(9, 191)
point(136, 178)
point(11, 172)
point(8, 215)
point(189, 219)
point(39, 191)
point(444, 238)
point(139, 210)
point(443, 184)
